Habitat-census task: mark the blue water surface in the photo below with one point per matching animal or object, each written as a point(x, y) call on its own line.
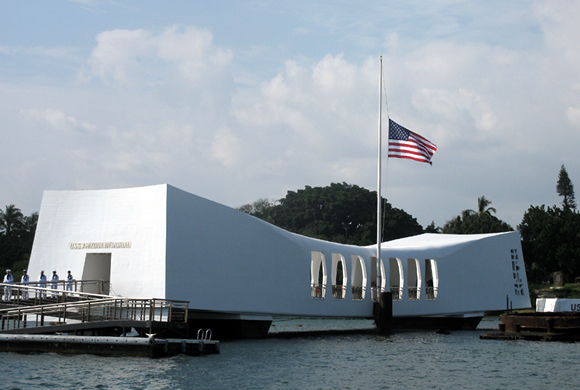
point(404, 360)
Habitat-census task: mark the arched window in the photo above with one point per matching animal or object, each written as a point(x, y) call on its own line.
point(414, 278)
point(317, 275)
point(431, 279)
point(339, 276)
point(359, 278)
point(396, 279)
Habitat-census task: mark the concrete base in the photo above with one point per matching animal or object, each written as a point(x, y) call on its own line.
point(226, 326)
point(447, 323)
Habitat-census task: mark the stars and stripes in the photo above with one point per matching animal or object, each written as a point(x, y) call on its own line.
point(404, 143)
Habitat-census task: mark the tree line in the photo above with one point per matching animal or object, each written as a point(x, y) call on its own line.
point(16, 238)
point(551, 236)
point(346, 213)
point(341, 212)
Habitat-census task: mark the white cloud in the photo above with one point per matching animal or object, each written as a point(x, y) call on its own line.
point(117, 53)
point(161, 106)
point(559, 20)
point(225, 148)
point(139, 56)
point(573, 115)
point(58, 120)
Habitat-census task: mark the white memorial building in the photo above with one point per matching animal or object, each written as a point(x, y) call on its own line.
point(162, 242)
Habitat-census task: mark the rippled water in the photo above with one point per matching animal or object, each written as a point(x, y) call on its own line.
point(404, 360)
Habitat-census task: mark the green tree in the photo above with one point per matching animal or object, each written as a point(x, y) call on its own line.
point(340, 213)
point(551, 242)
point(431, 228)
point(565, 188)
point(483, 207)
point(11, 220)
point(16, 237)
point(474, 222)
point(260, 209)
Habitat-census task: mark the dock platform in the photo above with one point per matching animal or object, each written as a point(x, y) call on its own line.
point(547, 326)
point(128, 346)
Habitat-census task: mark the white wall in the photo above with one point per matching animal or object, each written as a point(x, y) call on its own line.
point(134, 215)
point(222, 259)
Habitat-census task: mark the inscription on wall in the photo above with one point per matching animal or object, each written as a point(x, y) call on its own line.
point(519, 288)
point(100, 245)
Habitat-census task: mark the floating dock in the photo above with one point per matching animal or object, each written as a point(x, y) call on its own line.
point(37, 319)
point(99, 345)
point(547, 326)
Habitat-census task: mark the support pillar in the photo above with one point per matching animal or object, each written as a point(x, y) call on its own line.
point(384, 314)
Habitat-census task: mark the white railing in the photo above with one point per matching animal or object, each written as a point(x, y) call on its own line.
point(36, 294)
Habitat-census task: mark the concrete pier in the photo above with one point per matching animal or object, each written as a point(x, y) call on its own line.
point(130, 346)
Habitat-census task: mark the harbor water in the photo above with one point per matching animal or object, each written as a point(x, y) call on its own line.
point(403, 360)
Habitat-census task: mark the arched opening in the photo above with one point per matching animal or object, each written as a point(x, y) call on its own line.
point(378, 278)
point(396, 279)
point(414, 278)
point(339, 276)
point(431, 279)
point(359, 278)
point(317, 275)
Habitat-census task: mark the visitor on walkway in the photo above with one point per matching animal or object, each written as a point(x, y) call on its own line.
point(8, 279)
point(42, 284)
point(54, 283)
point(69, 281)
point(24, 282)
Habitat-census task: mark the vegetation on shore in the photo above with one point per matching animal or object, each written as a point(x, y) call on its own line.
point(16, 238)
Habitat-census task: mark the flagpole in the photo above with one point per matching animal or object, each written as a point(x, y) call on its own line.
point(379, 167)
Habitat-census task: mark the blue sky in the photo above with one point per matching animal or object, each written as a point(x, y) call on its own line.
point(240, 100)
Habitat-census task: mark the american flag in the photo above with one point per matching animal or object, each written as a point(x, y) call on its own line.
point(404, 143)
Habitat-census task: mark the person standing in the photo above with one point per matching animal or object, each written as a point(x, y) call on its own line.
point(8, 279)
point(24, 282)
point(42, 284)
point(69, 280)
point(54, 282)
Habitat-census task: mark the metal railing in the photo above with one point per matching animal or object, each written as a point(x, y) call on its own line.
point(414, 293)
point(105, 309)
point(358, 293)
point(431, 293)
point(36, 294)
point(397, 293)
point(89, 285)
point(338, 291)
point(317, 291)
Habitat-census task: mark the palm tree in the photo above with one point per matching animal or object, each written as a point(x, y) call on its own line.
point(29, 223)
point(11, 219)
point(482, 207)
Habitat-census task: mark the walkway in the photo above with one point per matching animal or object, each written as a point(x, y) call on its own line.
point(60, 312)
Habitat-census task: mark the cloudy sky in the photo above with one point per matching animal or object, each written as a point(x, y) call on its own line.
point(240, 100)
